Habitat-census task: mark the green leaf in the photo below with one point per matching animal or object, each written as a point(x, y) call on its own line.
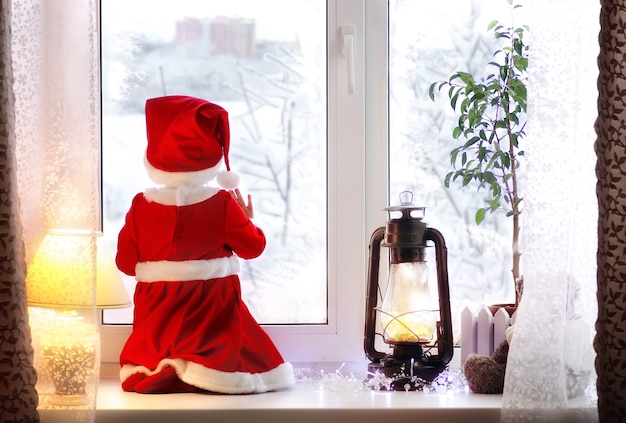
point(489, 177)
point(504, 71)
point(467, 78)
point(500, 124)
point(480, 95)
point(451, 92)
point(454, 99)
point(491, 25)
point(482, 153)
point(502, 35)
point(453, 154)
point(431, 91)
point(519, 89)
point(464, 104)
point(518, 46)
point(446, 181)
point(506, 160)
point(471, 142)
point(480, 216)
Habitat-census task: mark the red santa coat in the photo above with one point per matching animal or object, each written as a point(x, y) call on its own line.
point(189, 314)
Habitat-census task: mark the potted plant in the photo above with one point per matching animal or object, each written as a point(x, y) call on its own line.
point(490, 129)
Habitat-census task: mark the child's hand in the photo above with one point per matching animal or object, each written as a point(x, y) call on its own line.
point(247, 208)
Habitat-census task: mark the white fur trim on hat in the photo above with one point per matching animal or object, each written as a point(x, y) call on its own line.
point(176, 179)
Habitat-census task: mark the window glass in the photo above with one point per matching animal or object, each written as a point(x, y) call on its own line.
point(428, 42)
point(269, 73)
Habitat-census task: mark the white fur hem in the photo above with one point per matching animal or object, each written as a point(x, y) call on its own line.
point(188, 270)
point(213, 380)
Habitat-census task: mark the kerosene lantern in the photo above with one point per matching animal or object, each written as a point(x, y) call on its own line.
point(417, 329)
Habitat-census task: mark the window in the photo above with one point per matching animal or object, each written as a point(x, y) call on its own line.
point(349, 171)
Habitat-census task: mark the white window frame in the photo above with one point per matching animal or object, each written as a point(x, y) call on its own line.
point(357, 191)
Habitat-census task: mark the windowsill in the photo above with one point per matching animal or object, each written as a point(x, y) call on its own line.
point(304, 402)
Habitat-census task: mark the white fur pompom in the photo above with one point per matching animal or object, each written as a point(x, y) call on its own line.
point(228, 179)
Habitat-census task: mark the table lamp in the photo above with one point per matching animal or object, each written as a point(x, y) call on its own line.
point(60, 277)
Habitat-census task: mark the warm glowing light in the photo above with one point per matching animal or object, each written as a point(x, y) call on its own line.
point(411, 327)
point(62, 272)
point(70, 350)
point(407, 314)
point(72, 273)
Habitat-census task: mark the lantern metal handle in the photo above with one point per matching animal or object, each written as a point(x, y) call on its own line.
point(446, 340)
point(371, 300)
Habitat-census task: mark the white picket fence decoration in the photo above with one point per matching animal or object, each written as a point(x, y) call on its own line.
point(482, 332)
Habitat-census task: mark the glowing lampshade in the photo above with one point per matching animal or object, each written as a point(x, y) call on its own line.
point(60, 277)
point(61, 273)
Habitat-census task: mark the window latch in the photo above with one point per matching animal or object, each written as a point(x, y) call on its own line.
point(348, 33)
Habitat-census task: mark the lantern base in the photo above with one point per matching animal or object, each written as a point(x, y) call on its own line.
point(403, 374)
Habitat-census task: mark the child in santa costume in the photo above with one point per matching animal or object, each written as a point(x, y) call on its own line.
point(182, 242)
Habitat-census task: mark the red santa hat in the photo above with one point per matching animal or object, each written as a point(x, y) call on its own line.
point(187, 139)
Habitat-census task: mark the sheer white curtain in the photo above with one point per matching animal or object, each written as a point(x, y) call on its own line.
point(56, 88)
point(55, 60)
point(550, 371)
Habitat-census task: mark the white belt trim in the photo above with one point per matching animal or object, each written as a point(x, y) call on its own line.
point(189, 270)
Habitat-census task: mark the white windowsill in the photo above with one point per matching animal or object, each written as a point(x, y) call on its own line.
point(303, 403)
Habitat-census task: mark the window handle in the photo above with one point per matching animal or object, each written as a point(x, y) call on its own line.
point(347, 48)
